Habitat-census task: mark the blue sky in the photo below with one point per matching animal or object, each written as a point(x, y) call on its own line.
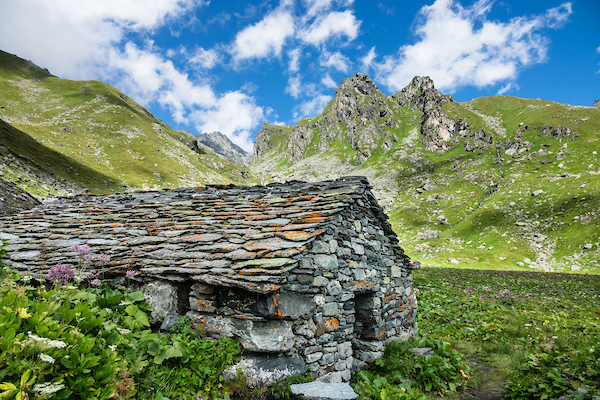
point(228, 65)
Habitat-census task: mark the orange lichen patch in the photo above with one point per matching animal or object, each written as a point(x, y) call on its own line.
point(300, 236)
point(207, 237)
point(392, 297)
point(361, 286)
point(207, 306)
point(332, 325)
point(316, 220)
point(115, 225)
point(292, 227)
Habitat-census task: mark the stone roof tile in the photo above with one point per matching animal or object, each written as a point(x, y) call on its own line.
point(244, 237)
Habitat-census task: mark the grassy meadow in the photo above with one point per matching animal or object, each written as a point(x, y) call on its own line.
point(517, 334)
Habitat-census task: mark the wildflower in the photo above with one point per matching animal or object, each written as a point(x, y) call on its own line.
point(45, 343)
point(95, 282)
point(23, 313)
point(47, 358)
point(113, 347)
point(82, 250)
point(103, 259)
point(48, 388)
point(123, 331)
point(130, 274)
point(61, 274)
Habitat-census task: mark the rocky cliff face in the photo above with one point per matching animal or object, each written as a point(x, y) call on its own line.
point(14, 199)
point(224, 147)
point(360, 117)
point(421, 94)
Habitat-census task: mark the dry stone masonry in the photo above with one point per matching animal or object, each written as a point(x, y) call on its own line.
point(307, 276)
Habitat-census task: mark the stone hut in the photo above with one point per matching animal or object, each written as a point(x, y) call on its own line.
point(304, 275)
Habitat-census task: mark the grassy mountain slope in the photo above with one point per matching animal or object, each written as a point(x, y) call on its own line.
point(93, 137)
point(498, 182)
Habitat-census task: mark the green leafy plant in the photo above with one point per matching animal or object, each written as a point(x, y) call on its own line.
point(282, 390)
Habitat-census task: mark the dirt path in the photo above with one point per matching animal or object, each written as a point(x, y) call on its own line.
point(491, 386)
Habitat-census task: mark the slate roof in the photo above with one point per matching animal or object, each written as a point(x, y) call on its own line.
point(245, 237)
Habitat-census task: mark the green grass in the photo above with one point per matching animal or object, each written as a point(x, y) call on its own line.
point(538, 332)
point(103, 130)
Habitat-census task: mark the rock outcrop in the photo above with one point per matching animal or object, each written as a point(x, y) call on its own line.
point(225, 148)
point(421, 94)
point(360, 116)
point(14, 199)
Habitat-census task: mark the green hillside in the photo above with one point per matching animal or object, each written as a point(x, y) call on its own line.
point(498, 182)
point(89, 135)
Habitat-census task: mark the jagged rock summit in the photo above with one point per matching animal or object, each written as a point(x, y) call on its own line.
point(224, 147)
point(421, 94)
point(359, 118)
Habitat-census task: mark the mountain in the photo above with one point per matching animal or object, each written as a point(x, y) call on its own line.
point(225, 148)
point(498, 182)
point(59, 136)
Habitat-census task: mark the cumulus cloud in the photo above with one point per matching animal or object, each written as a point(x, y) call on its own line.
point(265, 38)
point(294, 63)
point(234, 114)
point(328, 82)
point(312, 107)
point(368, 59)
point(334, 24)
point(458, 46)
point(91, 40)
point(294, 86)
point(336, 61)
point(508, 87)
point(205, 59)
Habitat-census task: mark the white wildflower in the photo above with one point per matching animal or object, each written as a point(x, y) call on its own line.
point(46, 358)
point(113, 347)
point(48, 388)
point(123, 331)
point(108, 310)
point(45, 343)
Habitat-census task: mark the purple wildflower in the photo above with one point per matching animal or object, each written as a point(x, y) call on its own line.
point(89, 274)
point(103, 259)
point(82, 250)
point(130, 274)
point(61, 274)
point(95, 282)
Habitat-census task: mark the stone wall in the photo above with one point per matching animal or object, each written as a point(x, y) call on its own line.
point(304, 275)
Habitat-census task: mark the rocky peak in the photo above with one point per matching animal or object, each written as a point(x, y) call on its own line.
point(224, 147)
point(421, 94)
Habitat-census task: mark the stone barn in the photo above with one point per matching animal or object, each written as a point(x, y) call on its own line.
point(307, 276)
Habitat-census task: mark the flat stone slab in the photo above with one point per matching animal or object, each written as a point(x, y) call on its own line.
point(324, 391)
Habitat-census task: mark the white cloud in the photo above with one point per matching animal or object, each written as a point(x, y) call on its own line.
point(206, 59)
point(337, 61)
point(234, 115)
point(89, 40)
point(294, 64)
point(72, 38)
point(294, 86)
point(329, 82)
point(508, 87)
point(312, 107)
point(459, 47)
point(265, 38)
point(367, 60)
point(334, 24)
